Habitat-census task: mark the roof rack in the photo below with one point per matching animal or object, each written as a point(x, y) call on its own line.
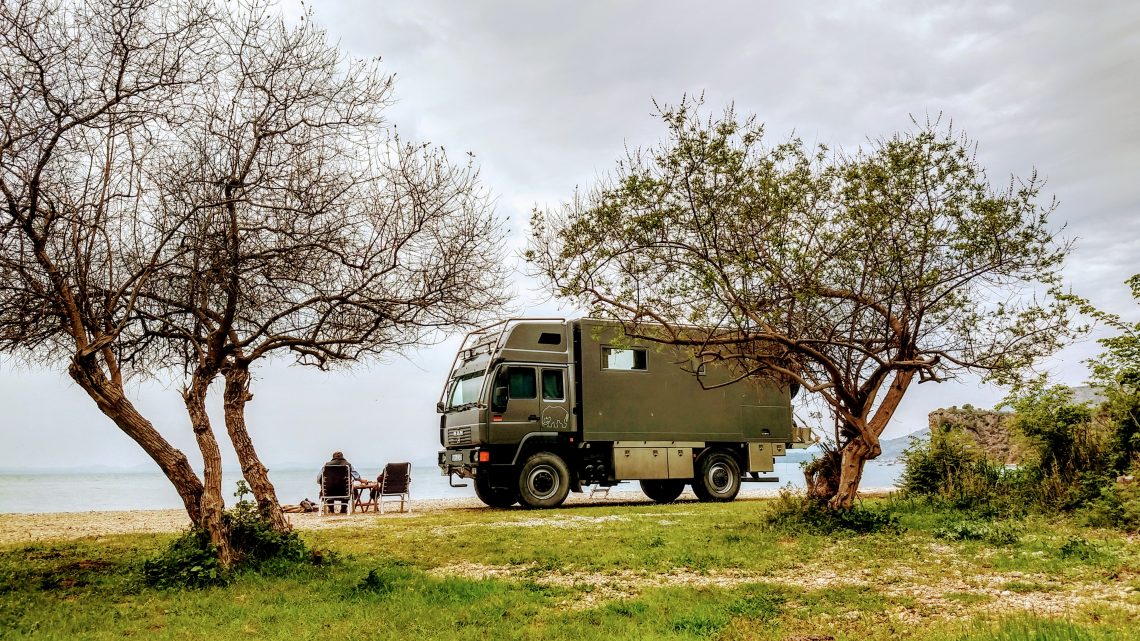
point(488, 340)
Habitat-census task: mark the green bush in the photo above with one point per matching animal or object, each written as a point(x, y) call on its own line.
point(949, 469)
point(254, 539)
point(798, 513)
point(191, 560)
point(1071, 458)
point(1118, 506)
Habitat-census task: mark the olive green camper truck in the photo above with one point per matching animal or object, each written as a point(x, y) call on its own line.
point(534, 408)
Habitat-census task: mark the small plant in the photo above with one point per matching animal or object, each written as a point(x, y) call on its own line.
point(381, 581)
point(973, 530)
point(1080, 549)
point(764, 606)
point(699, 625)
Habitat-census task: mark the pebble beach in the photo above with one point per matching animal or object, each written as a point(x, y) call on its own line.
point(32, 528)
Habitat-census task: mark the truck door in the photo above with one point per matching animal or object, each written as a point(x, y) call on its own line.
point(515, 406)
point(529, 399)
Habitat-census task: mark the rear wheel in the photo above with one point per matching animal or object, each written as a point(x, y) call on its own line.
point(494, 496)
point(665, 491)
point(544, 480)
point(718, 477)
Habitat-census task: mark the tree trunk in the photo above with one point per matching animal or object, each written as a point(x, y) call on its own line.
point(212, 504)
point(855, 455)
point(113, 402)
point(236, 396)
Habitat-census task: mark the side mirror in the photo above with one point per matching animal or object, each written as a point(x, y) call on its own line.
point(499, 399)
point(439, 407)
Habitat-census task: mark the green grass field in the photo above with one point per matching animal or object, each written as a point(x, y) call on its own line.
point(683, 571)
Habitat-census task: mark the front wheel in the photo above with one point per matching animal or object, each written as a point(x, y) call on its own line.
point(494, 496)
point(718, 477)
point(544, 480)
point(663, 491)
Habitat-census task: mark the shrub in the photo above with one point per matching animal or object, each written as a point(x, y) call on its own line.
point(949, 468)
point(191, 560)
point(255, 540)
point(1068, 446)
point(793, 511)
point(1118, 506)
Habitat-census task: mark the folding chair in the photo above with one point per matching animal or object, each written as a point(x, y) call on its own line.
point(336, 486)
point(397, 482)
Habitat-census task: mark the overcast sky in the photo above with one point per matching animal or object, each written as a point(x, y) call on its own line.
point(547, 95)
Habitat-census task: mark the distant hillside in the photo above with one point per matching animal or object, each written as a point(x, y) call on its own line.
point(892, 448)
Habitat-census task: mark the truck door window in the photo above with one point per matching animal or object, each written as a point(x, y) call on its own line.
point(520, 382)
point(552, 386)
point(628, 359)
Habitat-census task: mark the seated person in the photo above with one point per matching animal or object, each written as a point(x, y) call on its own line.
point(337, 459)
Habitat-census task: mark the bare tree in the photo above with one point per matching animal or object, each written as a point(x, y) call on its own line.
point(850, 275)
point(190, 188)
point(315, 231)
point(88, 93)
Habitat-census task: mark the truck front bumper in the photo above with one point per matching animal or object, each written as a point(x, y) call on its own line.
point(459, 461)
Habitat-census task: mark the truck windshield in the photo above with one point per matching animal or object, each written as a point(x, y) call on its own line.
point(465, 390)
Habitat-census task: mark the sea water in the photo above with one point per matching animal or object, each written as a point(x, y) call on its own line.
point(80, 492)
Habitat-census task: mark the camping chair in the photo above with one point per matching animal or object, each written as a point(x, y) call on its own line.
point(336, 485)
point(397, 482)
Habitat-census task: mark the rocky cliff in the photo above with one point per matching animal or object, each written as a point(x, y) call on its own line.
point(989, 429)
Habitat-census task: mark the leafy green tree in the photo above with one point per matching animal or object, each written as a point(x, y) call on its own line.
point(1117, 372)
point(852, 275)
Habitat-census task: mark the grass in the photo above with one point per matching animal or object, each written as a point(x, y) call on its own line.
point(684, 571)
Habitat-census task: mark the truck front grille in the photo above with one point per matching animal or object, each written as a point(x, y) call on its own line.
point(459, 436)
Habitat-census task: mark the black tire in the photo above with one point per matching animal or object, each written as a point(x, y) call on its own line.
point(494, 496)
point(718, 477)
point(544, 481)
point(664, 491)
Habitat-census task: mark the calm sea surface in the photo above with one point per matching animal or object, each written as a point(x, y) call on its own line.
point(152, 491)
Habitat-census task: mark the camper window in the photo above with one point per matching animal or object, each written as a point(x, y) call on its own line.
point(626, 359)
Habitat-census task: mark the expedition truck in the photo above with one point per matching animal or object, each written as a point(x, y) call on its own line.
point(535, 408)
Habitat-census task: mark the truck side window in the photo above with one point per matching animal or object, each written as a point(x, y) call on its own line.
point(552, 389)
point(634, 358)
point(520, 382)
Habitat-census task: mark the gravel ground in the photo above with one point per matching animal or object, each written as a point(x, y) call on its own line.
point(29, 528)
point(17, 528)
